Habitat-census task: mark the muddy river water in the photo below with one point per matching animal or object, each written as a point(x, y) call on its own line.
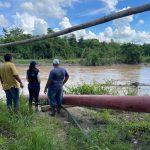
point(120, 74)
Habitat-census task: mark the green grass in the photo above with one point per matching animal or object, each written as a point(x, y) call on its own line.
point(100, 89)
point(46, 61)
point(122, 130)
point(26, 131)
point(107, 129)
point(112, 129)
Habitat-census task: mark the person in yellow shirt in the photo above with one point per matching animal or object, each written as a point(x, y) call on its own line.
point(11, 82)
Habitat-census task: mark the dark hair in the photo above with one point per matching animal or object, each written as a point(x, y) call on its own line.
point(32, 65)
point(8, 57)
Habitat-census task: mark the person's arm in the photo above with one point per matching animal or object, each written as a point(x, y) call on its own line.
point(66, 77)
point(38, 77)
point(49, 82)
point(19, 80)
point(15, 75)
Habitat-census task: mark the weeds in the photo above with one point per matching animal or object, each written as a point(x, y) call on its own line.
point(113, 129)
point(110, 129)
point(25, 131)
point(95, 88)
point(86, 88)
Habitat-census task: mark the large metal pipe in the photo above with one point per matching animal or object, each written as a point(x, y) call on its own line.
point(128, 103)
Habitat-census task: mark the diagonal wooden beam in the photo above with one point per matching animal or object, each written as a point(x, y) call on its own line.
point(98, 21)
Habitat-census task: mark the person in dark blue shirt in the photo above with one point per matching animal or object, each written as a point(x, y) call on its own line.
point(34, 84)
point(57, 78)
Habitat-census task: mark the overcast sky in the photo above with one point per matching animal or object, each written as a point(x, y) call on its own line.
point(35, 16)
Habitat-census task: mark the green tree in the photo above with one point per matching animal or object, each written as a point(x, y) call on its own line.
point(131, 53)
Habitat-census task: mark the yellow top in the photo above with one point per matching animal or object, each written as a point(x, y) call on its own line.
point(7, 72)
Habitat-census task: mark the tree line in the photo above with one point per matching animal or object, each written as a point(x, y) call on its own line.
point(89, 51)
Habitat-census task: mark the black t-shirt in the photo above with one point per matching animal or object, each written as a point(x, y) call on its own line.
point(32, 76)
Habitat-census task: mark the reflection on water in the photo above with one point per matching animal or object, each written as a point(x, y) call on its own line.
point(119, 73)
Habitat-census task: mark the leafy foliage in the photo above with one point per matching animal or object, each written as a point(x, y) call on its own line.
point(90, 51)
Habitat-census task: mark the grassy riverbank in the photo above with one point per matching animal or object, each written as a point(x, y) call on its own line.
point(107, 129)
point(46, 61)
point(71, 61)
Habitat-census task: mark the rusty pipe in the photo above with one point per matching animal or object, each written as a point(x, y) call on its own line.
point(127, 103)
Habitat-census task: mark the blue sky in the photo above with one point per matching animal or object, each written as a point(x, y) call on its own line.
point(35, 16)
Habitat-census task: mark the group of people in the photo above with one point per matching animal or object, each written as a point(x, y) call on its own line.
point(11, 83)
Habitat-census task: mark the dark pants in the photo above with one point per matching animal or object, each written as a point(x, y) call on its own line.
point(34, 95)
point(12, 97)
point(55, 97)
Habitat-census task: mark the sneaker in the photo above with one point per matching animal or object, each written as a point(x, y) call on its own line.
point(52, 113)
point(58, 109)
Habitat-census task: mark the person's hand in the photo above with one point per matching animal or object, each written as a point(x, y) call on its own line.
point(45, 91)
point(21, 85)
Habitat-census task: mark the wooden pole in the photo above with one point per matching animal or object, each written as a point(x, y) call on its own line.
point(104, 19)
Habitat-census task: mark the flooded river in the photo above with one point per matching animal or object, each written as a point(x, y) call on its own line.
point(120, 74)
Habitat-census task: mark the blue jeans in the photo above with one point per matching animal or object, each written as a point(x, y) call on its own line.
point(55, 97)
point(12, 97)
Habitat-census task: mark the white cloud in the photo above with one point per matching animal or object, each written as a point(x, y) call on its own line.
point(106, 35)
point(5, 4)
point(48, 8)
point(108, 32)
point(40, 27)
point(141, 22)
point(65, 23)
point(3, 21)
point(56, 29)
point(30, 24)
point(94, 12)
point(122, 32)
point(125, 21)
point(110, 4)
point(28, 6)
point(142, 37)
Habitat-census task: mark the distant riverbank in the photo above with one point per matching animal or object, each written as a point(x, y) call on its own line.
point(46, 61)
point(72, 61)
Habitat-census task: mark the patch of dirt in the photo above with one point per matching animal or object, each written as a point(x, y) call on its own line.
point(83, 117)
point(7, 134)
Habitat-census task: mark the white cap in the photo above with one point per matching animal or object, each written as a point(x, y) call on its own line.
point(56, 61)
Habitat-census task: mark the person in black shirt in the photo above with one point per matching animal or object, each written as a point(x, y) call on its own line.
point(33, 85)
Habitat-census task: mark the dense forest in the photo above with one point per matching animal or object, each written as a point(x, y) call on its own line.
point(89, 51)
